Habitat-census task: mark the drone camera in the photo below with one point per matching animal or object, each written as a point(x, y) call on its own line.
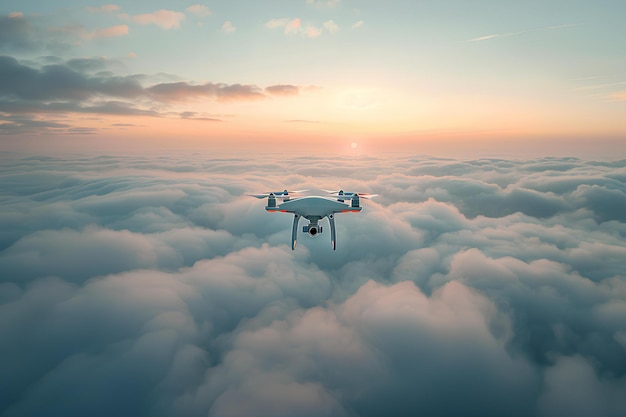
point(312, 230)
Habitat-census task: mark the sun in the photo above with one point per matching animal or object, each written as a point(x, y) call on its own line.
point(353, 145)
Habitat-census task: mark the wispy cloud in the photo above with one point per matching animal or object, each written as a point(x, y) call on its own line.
point(19, 33)
point(190, 115)
point(113, 31)
point(358, 24)
point(277, 23)
point(199, 10)
point(313, 32)
point(619, 96)
point(296, 27)
point(302, 121)
point(602, 87)
point(331, 26)
point(166, 19)
point(509, 34)
point(487, 37)
point(24, 124)
point(106, 8)
point(293, 26)
point(227, 27)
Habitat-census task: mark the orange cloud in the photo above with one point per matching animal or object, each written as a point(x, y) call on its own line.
point(313, 32)
point(283, 90)
point(181, 91)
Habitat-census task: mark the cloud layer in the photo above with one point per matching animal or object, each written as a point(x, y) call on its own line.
point(153, 286)
point(37, 97)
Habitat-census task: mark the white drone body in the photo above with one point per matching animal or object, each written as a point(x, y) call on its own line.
point(313, 209)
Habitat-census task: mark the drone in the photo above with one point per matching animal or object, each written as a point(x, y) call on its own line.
point(314, 209)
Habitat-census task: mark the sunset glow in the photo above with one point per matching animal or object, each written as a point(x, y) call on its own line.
point(219, 75)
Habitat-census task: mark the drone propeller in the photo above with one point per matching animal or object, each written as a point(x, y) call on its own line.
point(348, 196)
point(291, 192)
point(279, 194)
point(341, 194)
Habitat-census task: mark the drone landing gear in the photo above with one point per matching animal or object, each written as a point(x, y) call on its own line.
point(294, 231)
point(333, 233)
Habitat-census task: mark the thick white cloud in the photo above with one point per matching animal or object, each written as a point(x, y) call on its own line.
point(154, 286)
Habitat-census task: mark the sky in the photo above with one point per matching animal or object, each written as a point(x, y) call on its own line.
point(153, 286)
point(139, 278)
point(536, 77)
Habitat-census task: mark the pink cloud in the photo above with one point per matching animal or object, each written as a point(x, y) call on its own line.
point(113, 31)
point(293, 25)
point(166, 19)
point(313, 32)
point(277, 23)
point(83, 33)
